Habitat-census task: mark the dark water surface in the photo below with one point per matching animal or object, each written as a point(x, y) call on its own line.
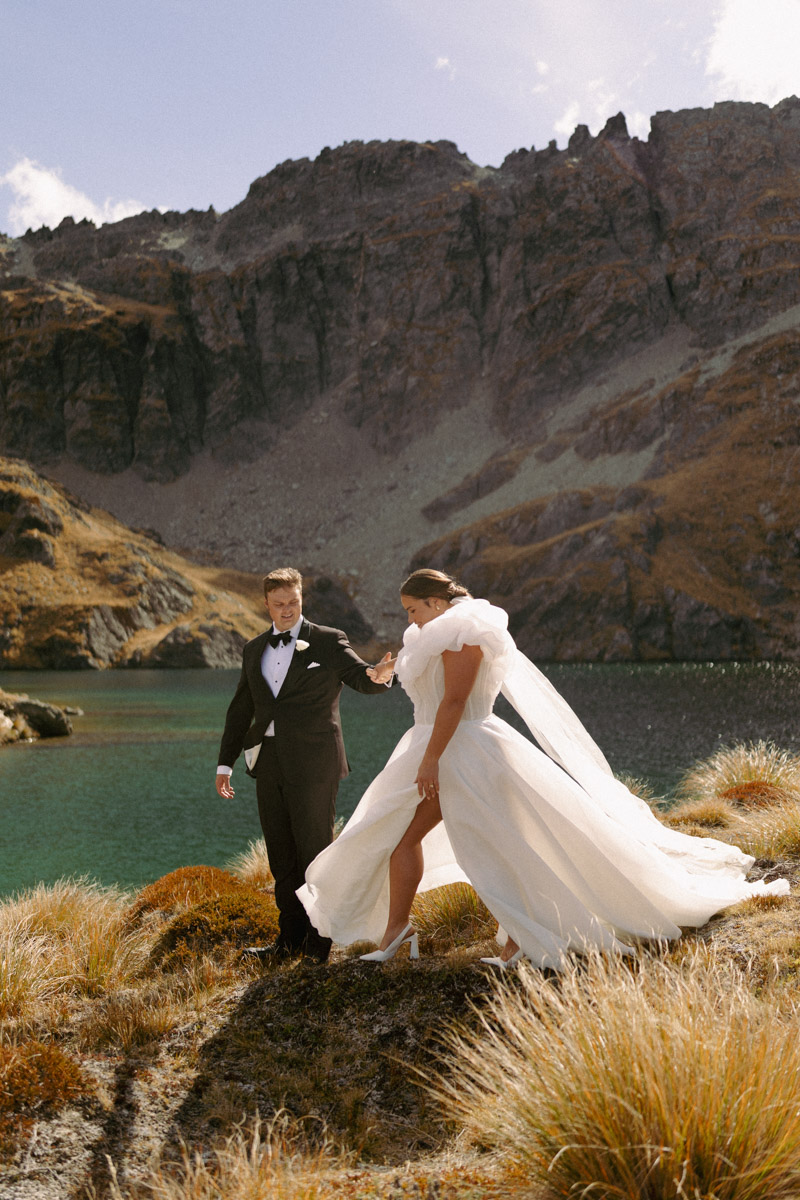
point(131, 794)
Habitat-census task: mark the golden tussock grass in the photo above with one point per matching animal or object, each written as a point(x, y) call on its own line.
point(653, 1079)
point(771, 833)
point(276, 1161)
point(451, 916)
point(27, 976)
point(140, 1016)
point(181, 889)
point(710, 813)
point(641, 788)
point(753, 774)
point(130, 1018)
point(252, 865)
point(69, 938)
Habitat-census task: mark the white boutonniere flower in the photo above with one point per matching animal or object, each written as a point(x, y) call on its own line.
point(301, 645)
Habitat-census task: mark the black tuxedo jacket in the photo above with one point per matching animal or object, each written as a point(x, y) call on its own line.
point(308, 729)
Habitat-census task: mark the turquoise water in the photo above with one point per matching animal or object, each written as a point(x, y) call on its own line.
point(131, 794)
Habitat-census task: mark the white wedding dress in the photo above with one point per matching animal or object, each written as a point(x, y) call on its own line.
point(562, 854)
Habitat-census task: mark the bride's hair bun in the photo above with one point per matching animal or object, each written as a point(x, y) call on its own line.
point(427, 584)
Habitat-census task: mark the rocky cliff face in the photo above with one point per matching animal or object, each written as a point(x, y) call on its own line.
point(80, 590)
point(399, 273)
point(619, 313)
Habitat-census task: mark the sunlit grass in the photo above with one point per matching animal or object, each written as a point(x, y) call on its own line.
point(657, 1080)
point(181, 889)
point(641, 788)
point(252, 865)
point(278, 1161)
point(451, 916)
point(27, 975)
point(772, 833)
point(709, 813)
point(754, 774)
point(68, 938)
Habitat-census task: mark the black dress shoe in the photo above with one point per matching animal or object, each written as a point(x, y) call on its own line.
point(317, 948)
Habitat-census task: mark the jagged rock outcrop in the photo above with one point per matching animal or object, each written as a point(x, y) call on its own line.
point(399, 274)
point(699, 560)
point(377, 291)
point(80, 590)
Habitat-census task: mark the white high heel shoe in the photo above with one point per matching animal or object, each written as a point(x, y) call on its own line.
point(408, 935)
point(505, 963)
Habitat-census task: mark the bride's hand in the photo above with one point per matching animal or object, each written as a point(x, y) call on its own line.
point(427, 780)
point(383, 672)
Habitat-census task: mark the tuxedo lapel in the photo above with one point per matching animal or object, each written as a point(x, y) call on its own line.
point(258, 683)
point(300, 658)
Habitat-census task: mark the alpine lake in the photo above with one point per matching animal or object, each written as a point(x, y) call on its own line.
point(130, 795)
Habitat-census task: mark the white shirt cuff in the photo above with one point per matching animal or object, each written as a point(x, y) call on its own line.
point(224, 770)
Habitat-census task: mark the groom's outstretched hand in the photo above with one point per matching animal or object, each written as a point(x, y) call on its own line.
point(224, 787)
point(382, 673)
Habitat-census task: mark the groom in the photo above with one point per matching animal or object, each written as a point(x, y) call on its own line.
point(285, 716)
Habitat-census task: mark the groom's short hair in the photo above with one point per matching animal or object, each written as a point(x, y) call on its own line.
point(282, 577)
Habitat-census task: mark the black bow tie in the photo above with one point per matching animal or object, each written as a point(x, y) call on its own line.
point(280, 639)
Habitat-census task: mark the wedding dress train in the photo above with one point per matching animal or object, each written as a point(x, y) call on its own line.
point(563, 855)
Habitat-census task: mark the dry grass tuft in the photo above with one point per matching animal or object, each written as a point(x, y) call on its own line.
point(181, 889)
point(70, 939)
point(231, 920)
point(641, 788)
point(59, 908)
point(711, 813)
point(755, 793)
point(35, 1078)
point(251, 867)
point(26, 971)
point(772, 833)
point(750, 774)
point(130, 1019)
point(451, 916)
point(653, 1079)
point(279, 1161)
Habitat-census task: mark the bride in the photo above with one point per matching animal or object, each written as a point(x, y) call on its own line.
point(561, 853)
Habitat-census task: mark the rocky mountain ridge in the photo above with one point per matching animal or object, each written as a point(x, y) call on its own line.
point(391, 354)
point(80, 590)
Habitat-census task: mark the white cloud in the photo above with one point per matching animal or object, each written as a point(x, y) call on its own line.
point(444, 64)
point(753, 51)
point(604, 100)
point(565, 125)
point(638, 125)
point(41, 197)
point(542, 67)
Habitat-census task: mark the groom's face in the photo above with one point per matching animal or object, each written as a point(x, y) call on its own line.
point(284, 605)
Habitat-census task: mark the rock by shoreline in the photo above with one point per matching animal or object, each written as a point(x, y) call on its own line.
point(23, 719)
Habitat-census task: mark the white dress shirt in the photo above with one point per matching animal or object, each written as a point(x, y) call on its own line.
point(275, 663)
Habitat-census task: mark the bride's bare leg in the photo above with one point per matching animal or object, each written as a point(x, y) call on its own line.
point(406, 867)
point(509, 950)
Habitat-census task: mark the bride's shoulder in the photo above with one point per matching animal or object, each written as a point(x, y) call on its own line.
point(469, 622)
point(477, 614)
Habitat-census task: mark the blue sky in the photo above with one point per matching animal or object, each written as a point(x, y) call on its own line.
point(111, 106)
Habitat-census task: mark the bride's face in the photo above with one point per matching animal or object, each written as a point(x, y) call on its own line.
point(422, 611)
